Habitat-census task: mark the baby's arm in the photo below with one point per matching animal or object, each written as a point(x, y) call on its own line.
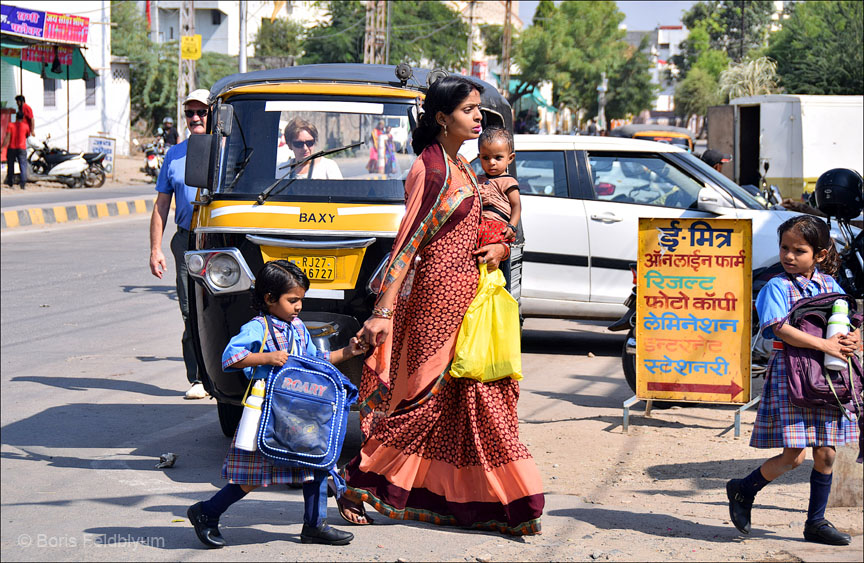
point(354, 348)
point(794, 337)
point(515, 212)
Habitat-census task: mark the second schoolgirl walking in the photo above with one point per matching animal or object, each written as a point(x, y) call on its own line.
point(807, 255)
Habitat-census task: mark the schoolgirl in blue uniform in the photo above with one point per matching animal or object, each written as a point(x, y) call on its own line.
point(807, 255)
point(279, 290)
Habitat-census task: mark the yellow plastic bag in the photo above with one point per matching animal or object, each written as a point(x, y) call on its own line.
point(488, 345)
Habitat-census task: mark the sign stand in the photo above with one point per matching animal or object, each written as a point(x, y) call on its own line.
point(742, 409)
point(625, 424)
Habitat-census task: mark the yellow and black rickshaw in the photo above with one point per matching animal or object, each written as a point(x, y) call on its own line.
point(678, 136)
point(338, 227)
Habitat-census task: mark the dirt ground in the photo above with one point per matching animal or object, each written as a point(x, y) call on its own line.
point(127, 171)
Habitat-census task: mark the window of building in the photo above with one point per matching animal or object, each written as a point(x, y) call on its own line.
point(217, 16)
point(171, 32)
point(49, 92)
point(90, 94)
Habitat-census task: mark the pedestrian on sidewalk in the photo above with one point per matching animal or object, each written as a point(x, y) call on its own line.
point(27, 111)
point(280, 287)
point(438, 449)
point(171, 183)
point(16, 149)
point(808, 257)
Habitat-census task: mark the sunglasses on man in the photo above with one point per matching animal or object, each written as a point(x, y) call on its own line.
point(190, 113)
point(301, 144)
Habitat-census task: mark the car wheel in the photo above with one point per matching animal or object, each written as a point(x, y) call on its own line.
point(229, 417)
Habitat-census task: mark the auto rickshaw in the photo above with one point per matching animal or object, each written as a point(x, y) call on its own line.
point(251, 209)
point(678, 136)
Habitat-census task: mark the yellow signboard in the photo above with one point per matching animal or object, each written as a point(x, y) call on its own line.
point(693, 310)
point(190, 47)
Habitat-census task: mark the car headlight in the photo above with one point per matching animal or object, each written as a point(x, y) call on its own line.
point(223, 271)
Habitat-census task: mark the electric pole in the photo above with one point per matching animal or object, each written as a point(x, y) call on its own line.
point(242, 58)
point(186, 76)
point(471, 36)
point(376, 29)
point(505, 52)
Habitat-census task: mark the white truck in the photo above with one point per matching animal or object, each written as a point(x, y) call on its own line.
point(798, 137)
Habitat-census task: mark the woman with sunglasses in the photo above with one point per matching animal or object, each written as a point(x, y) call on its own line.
point(301, 137)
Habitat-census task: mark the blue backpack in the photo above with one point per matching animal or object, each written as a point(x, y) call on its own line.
point(305, 412)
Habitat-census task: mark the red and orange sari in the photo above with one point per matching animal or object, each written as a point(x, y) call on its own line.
point(440, 449)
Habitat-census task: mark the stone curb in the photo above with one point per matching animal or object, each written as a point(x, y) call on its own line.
point(51, 214)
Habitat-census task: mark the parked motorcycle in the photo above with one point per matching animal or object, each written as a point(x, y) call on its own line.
point(52, 164)
point(155, 154)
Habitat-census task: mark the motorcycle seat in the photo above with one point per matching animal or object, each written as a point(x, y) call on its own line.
point(93, 157)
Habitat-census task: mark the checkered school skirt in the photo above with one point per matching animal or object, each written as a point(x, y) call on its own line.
point(780, 424)
point(252, 468)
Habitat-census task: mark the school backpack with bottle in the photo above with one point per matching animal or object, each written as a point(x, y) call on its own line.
point(810, 383)
point(305, 412)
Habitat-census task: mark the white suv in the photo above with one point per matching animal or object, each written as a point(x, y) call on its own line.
point(581, 200)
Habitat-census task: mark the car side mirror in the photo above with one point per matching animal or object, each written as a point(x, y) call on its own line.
point(709, 200)
point(200, 159)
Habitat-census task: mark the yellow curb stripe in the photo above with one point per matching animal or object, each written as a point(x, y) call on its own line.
point(36, 216)
point(140, 206)
point(60, 215)
point(82, 212)
point(102, 210)
point(11, 218)
point(122, 208)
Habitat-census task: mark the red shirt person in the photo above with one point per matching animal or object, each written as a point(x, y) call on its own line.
point(27, 111)
point(16, 151)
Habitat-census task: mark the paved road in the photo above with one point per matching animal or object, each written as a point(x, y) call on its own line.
point(61, 196)
point(92, 386)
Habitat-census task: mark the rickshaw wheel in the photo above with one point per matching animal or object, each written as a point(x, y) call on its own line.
point(229, 417)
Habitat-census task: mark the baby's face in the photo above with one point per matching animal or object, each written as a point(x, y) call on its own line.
point(495, 157)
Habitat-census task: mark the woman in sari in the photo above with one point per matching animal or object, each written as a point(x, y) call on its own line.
point(436, 448)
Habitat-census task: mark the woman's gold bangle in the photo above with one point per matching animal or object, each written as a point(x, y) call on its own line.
point(382, 312)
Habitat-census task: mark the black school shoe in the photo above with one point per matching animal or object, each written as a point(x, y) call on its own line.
point(823, 531)
point(740, 506)
point(324, 534)
point(206, 528)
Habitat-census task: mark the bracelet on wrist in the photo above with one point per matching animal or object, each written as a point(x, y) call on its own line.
point(511, 227)
point(382, 312)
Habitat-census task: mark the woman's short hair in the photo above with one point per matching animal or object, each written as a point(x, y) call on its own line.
point(296, 125)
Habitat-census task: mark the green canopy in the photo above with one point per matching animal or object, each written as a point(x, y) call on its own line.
point(532, 95)
point(12, 51)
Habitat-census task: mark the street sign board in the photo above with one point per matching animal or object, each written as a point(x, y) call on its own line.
point(693, 310)
point(106, 145)
point(190, 47)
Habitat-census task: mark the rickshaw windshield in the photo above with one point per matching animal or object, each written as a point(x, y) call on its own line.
point(271, 138)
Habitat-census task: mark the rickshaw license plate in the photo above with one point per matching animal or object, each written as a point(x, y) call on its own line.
point(320, 268)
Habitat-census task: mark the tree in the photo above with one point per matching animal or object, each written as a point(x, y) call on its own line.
point(733, 26)
point(630, 87)
point(819, 49)
point(696, 93)
point(421, 33)
point(211, 67)
point(278, 38)
point(493, 39)
point(696, 51)
point(750, 78)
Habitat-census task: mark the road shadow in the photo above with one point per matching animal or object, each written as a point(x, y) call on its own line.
point(169, 291)
point(88, 383)
point(658, 524)
point(572, 342)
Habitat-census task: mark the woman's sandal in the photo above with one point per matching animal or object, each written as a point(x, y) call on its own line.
point(344, 505)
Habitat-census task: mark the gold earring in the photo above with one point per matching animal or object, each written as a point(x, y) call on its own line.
point(445, 129)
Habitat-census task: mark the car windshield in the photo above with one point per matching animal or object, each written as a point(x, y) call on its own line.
point(270, 140)
point(737, 191)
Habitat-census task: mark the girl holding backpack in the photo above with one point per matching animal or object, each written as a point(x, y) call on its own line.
point(808, 256)
point(279, 290)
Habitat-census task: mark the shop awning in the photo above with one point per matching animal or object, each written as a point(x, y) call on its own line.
point(533, 95)
point(40, 58)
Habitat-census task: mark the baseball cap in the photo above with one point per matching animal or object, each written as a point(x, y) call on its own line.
point(199, 95)
point(712, 157)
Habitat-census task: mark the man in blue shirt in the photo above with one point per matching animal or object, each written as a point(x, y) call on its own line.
point(171, 183)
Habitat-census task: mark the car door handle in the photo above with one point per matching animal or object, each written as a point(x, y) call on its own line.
point(607, 217)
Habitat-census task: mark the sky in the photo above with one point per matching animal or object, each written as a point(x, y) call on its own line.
point(641, 16)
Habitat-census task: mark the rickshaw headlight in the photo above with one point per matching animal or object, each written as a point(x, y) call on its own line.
point(223, 271)
point(195, 264)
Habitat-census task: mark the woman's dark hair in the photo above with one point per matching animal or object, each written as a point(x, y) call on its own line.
point(815, 231)
point(444, 95)
point(275, 279)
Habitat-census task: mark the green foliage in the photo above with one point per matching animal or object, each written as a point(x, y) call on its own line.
point(733, 26)
point(750, 78)
point(421, 32)
point(341, 39)
point(211, 67)
point(696, 93)
point(713, 62)
point(630, 86)
point(570, 45)
point(279, 38)
point(493, 39)
point(819, 50)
